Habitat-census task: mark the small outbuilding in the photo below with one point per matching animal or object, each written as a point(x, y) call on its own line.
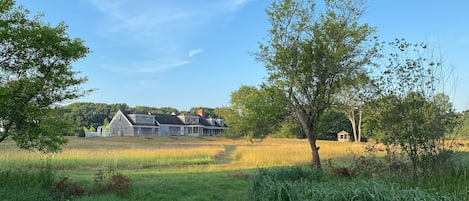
point(343, 136)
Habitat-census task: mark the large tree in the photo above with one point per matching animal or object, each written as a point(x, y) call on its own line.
point(310, 55)
point(35, 74)
point(259, 112)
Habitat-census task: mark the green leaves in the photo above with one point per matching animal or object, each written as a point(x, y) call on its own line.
point(310, 55)
point(256, 112)
point(36, 74)
point(413, 113)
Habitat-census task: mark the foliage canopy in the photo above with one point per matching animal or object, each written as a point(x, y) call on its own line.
point(412, 112)
point(310, 55)
point(36, 74)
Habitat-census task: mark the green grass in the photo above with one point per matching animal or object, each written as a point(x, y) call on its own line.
point(294, 183)
point(190, 186)
point(199, 168)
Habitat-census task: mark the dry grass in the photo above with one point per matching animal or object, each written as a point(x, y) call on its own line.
point(280, 152)
point(177, 153)
point(114, 153)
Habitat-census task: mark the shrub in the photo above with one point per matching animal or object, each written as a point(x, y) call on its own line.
point(117, 183)
point(66, 188)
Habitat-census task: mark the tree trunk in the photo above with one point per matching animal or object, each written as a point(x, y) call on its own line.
point(5, 133)
point(4, 136)
point(359, 125)
point(351, 118)
point(315, 160)
point(308, 129)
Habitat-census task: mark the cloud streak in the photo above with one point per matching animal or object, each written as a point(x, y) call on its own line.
point(195, 52)
point(180, 63)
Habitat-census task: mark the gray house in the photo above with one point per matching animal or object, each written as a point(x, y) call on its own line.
point(131, 123)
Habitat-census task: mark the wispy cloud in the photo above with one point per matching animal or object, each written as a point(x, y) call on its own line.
point(180, 63)
point(152, 66)
point(236, 4)
point(160, 28)
point(195, 52)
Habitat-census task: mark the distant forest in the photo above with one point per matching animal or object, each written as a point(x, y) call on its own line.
point(88, 116)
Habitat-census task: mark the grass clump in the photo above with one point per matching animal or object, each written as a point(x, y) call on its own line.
point(43, 184)
point(298, 183)
point(19, 184)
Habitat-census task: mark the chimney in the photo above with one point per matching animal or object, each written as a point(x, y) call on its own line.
point(200, 112)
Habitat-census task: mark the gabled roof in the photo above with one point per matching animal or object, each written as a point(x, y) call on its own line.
point(121, 113)
point(204, 122)
point(343, 132)
point(127, 113)
point(217, 124)
point(168, 119)
point(137, 112)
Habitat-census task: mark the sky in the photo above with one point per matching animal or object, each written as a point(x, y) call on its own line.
point(194, 53)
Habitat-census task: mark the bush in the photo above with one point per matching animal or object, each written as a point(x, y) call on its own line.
point(43, 184)
point(117, 183)
point(66, 188)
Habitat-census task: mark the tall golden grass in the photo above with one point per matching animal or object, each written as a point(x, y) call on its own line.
point(171, 153)
point(135, 155)
point(280, 152)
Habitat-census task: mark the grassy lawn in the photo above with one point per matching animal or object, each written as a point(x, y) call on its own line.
point(170, 168)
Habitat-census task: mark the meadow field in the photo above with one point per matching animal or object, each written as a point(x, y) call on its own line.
point(164, 168)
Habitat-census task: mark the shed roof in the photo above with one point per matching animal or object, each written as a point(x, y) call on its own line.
point(343, 132)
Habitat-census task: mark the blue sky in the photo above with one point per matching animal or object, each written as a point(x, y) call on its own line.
point(191, 53)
